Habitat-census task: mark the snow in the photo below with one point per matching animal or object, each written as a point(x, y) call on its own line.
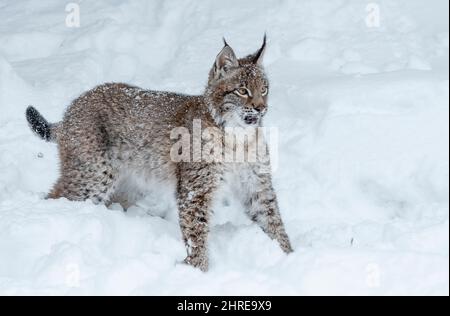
point(363, 163)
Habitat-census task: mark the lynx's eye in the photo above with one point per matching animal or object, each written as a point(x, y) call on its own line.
point(264, 91)
point(243, 92)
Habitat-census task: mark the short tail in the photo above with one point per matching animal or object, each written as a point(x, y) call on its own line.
point(40, 125)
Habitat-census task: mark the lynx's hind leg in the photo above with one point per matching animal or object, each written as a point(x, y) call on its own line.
point(91, 180)
point(87, 170)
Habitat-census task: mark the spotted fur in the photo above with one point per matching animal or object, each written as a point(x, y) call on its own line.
point(116, 137)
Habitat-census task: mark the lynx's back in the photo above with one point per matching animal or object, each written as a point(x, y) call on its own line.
point(126, 121)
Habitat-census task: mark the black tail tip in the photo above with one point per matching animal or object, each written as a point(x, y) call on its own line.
point(38, 123)
point(31, 111)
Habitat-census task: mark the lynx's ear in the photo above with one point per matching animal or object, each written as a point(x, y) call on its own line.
point(225, 60)
point(257, 58)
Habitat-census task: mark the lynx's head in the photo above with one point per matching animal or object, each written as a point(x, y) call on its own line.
point(238, 89)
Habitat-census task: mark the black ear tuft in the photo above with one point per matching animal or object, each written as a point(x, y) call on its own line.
point(258, 56)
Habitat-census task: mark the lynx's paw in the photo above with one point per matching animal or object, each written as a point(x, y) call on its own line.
point(199, 261)
point(287, 248)
point(285, 244)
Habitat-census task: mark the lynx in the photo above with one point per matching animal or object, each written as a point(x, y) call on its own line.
point(116, 137)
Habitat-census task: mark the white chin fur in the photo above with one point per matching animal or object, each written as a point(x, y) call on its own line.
point(232, 119)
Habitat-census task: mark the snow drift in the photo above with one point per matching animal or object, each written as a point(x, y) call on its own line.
point(359, 93)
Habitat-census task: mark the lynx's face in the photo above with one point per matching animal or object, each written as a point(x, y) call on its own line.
point(238, 89)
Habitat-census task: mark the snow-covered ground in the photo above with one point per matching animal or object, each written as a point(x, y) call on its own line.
point(362, 107)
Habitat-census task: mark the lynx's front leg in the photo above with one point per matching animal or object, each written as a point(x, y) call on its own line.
point(261, 203)
point(197, 183)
